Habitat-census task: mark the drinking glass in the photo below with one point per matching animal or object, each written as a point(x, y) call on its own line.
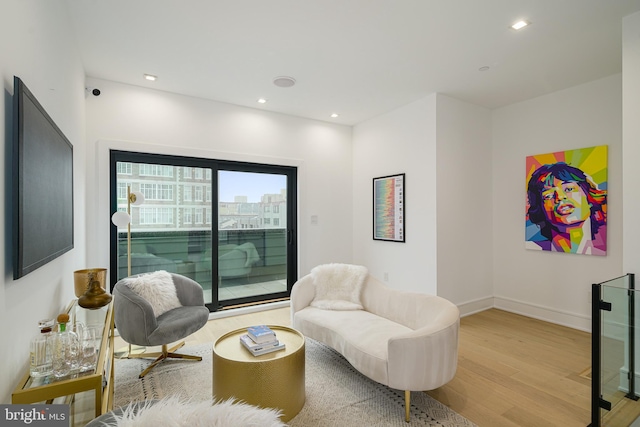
point(59, 352)
point(89, 349)
point(74, 353)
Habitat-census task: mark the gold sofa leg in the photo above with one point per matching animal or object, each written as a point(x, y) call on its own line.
point(160, 356)
point(407, 404)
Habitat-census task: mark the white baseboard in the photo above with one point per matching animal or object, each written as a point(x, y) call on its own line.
point(624, 381)
point(476, 306)
point(547, 314)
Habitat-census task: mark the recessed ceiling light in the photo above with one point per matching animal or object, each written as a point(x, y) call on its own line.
point(334, 115)
point(520, 24)
point(284, 81)
point(150, 77)
point(262, 101)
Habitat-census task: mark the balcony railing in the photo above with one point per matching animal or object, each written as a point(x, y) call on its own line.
point(191, 253)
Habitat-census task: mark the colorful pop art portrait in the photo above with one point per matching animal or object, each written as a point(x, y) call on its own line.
point(567, 201)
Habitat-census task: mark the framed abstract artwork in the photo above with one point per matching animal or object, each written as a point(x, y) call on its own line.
point(389, 208)
point(566, 209)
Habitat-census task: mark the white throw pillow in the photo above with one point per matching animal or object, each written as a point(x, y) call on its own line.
point(157, 288)
point(338, 286)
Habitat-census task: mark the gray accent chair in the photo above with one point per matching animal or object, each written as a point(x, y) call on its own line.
point(137, 324)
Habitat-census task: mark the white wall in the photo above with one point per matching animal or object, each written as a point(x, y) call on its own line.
point(37, 45)
point(401, 141)
point(553, 286)
point(631, 144)
point(444, 147)
point(463, 204)
point(140, 119)
point(631, 191)
point(465, 199)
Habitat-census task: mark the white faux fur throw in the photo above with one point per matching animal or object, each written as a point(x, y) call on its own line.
point(157, 288)
point(338, 286)
point(172, 412)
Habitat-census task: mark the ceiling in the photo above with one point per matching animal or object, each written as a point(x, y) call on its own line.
point(357, 58)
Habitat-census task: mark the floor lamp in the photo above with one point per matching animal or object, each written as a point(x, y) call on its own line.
point(120, 219)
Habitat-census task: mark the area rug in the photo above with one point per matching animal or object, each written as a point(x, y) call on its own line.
point(336, 394)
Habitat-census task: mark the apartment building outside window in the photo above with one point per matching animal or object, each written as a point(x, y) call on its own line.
point(157, 191)
point(154, 216)
point(156, 170)
point(122, 190)
point(124, 168)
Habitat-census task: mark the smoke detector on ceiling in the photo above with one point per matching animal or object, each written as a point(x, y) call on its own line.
point(284, 81)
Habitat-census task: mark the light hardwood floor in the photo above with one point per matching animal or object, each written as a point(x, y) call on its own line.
point(512, 370)
point(518, 371)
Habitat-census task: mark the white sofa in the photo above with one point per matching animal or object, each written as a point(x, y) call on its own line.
point(404, 340)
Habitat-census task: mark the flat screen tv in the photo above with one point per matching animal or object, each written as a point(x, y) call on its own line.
point(42, 185)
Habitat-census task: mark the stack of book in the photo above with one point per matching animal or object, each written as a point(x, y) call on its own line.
point(261, 340)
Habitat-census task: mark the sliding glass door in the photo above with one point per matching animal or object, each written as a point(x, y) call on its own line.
point(228, 225)
point(252, 234)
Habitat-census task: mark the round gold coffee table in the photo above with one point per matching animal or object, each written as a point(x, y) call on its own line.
point(272, 380)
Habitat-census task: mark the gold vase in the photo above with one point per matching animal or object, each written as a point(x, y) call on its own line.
point(82, 279)
point(94, 297)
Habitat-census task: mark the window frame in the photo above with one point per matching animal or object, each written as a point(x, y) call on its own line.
point(210, 210)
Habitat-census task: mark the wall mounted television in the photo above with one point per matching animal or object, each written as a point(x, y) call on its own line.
point(42, 185)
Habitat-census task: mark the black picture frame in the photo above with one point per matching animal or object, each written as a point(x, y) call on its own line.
point(389, 208)
point(42, 211)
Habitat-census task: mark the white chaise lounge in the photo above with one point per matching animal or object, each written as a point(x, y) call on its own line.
point(404, 340)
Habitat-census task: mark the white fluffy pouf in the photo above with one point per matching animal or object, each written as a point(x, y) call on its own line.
point(172, 411)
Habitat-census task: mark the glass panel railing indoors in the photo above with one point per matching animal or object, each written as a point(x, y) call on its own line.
point(614, 354)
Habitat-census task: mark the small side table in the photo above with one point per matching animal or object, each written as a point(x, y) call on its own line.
point(100, 379)
point(273, 380)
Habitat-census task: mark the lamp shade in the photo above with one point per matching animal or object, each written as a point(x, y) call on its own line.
point(121, 219)
point(137, 198)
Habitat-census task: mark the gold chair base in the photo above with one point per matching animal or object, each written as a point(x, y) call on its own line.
point(125, 352)
point(164, 354)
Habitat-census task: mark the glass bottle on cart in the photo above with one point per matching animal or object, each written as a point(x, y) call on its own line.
point(40, 351)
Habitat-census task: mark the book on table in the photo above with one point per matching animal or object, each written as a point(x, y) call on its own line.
point(261, 334)
point(258, 349)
